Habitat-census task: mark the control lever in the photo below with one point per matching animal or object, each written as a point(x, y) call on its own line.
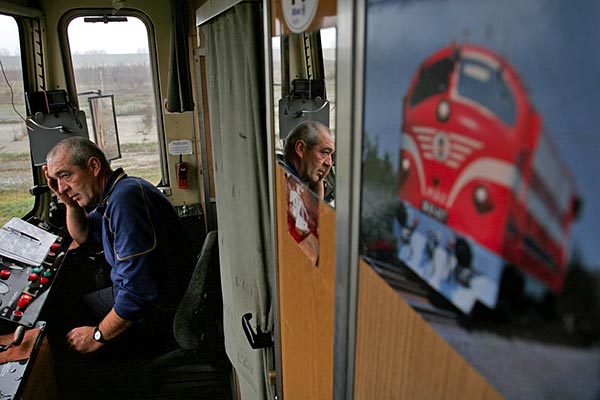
point(17, 338)
point(39, 190)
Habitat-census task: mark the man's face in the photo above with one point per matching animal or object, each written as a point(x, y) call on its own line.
point(79, 184)
point(317, 162)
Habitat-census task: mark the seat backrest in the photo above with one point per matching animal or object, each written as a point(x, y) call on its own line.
point(198, 308)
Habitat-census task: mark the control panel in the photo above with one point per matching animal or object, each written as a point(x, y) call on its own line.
point(24, 287)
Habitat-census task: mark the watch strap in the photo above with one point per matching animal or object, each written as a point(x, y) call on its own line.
point(98, 337)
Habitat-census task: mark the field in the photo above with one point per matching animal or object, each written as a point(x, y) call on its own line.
point(135, 122)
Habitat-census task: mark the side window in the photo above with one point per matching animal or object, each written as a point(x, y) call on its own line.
point(433, 80)
point(105, 64)
point(16, 175)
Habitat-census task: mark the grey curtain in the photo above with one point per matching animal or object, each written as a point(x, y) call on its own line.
point(236, 92)
point(179, 88)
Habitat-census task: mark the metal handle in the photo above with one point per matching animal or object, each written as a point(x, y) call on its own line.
point(257, 340)
point(301, 113)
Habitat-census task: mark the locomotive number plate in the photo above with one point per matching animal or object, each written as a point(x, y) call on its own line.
point(434, 211)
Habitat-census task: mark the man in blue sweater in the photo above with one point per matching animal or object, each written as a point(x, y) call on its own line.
point(140, 233)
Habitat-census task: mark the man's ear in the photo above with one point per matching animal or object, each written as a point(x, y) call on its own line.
point(95, 165)
point(300, 148)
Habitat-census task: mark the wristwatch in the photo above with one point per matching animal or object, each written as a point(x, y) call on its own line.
point(98, 335)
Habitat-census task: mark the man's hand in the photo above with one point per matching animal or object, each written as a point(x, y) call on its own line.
point(53, 185)
point(81, 339)
point(318, 187)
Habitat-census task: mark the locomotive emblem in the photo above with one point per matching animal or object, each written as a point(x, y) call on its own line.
point(441, 146)
point(449, 148)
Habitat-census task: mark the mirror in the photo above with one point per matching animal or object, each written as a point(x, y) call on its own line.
point(104, 123)
point(304, 88)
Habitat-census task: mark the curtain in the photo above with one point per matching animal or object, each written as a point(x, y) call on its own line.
point(236, 93)
point(179, 89)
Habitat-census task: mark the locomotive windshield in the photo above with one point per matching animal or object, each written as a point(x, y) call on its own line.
point(432, 80)
point(486, 86)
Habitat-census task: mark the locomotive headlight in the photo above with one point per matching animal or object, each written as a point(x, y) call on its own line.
point(481, 198)
point(405, 164)
point(443, 110)
point(404, 170)
point(480, 195)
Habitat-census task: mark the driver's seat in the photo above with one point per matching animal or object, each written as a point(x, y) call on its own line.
point(200, 364)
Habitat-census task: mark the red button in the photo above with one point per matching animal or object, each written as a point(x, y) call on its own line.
point(23, 301)
point(17, 314)
point(43, 280)
point(4, 274)
point(54, 246)
point(33, 277)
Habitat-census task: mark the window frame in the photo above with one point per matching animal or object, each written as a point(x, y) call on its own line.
point(26, 53)
point(63, 26)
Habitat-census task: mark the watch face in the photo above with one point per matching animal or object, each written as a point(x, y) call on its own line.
point(97, 335)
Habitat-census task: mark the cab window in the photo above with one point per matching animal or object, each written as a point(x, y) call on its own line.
point(104, 64)
point(15, 161)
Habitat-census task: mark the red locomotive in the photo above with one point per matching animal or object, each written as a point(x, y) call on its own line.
point(482, 189)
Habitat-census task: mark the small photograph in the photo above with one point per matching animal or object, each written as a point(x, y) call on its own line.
point(303, 217)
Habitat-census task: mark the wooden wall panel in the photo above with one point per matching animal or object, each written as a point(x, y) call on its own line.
point(41, 383)
point(306, 306)
point(399, 356)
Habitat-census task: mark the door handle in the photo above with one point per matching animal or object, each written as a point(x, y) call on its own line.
point(257, 340)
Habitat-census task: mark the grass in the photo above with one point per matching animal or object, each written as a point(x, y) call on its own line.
point(148, 147)
point(18, 202)
point(150, 176)
point(14, 203)
point(7, 157)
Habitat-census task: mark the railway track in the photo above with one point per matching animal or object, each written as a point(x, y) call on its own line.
point(440, 312)
point(522, 359)
point(423, 299)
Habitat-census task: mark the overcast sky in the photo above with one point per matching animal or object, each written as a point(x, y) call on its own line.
point(114, 38)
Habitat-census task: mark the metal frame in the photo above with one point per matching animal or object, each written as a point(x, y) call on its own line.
point(204, 177)
point(93, 115)
point(350, 68)
point(13, 9)
point(268, 54)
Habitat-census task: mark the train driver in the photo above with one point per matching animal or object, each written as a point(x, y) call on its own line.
point(141, 235)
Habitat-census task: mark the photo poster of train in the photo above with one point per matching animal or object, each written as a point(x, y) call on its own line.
point(480, 143)
point(303, 217)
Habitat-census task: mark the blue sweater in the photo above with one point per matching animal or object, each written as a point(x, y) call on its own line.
point(141, 233)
